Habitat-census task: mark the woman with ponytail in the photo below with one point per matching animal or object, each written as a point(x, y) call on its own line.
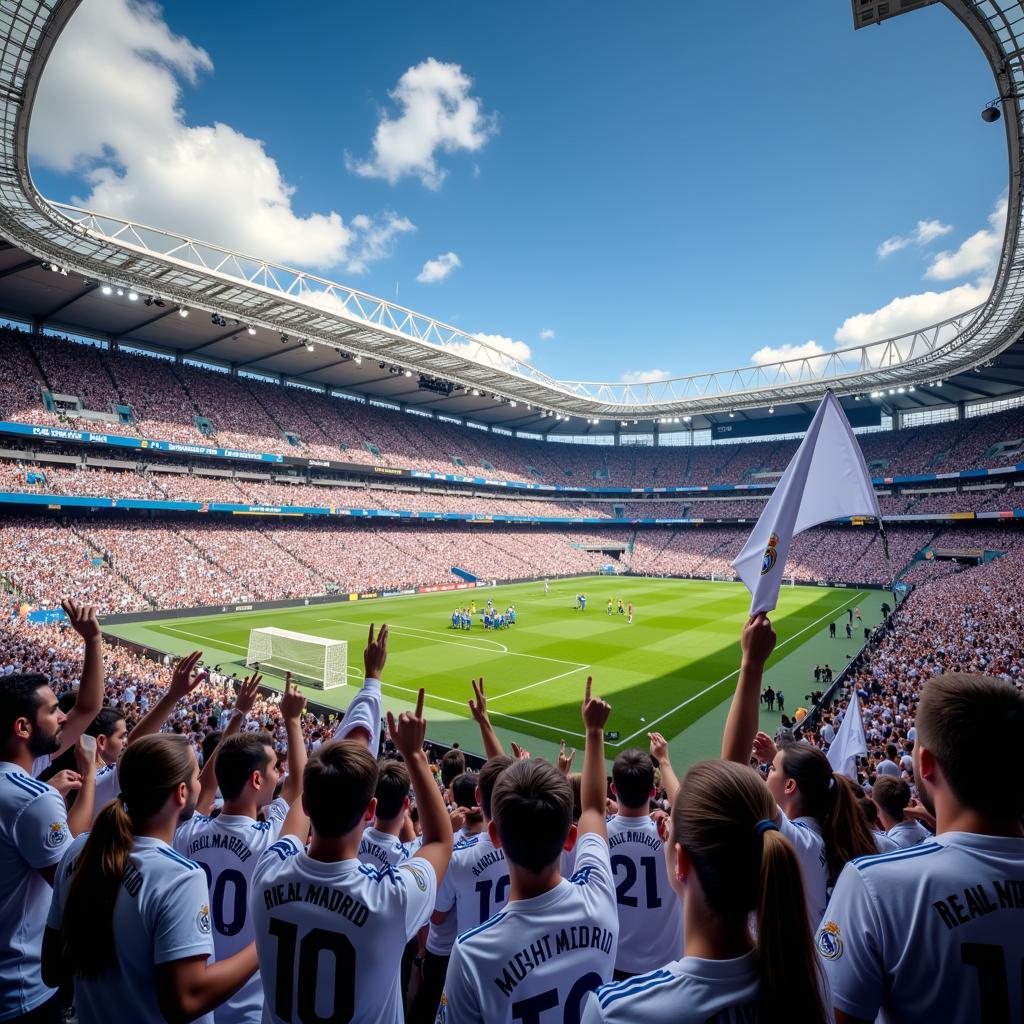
point(817, 813)
point(130, 918)
point(728, 861)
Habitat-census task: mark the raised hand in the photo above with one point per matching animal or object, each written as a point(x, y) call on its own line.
point(182, 680)
point(594, 710)
point(565, 760)
point(376, 653)
point(249, 691)
point(659, 746)
point(85, 754)
point(519, 753)
point(764, 748)
point(82, 618)
point(478, 707)
point(293, 703)
point(409, 732)
point(457, 816)
point(758, 639)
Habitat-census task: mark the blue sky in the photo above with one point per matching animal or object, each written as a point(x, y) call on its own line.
point(658, 187)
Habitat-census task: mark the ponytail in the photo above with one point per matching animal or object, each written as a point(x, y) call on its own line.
point(724, 817)
point(830, 799)
point(150, 770)
point(789, 983)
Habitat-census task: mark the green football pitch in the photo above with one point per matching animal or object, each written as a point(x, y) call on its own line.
point(669, 671)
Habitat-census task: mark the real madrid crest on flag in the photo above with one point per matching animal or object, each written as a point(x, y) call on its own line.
point(771, 556)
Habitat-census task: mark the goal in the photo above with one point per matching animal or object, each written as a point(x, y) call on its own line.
point(312, 660)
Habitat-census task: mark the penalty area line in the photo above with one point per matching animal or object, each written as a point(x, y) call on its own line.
point(718, 682)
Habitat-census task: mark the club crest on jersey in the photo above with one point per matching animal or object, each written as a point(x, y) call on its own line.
point(771, 556)
point(56, 834)
point(829, 941)
point(203, 919)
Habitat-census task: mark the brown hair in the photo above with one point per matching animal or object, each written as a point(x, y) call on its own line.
point(237, 758)
point(488, 776)
point(453, 763)
point(829, 798)
point(532, 805)
point(892, 795)
point(338, 784)
point(714, 819)
point(392, 789)
point(959, 716)
point(149, 772)
point(633, 775)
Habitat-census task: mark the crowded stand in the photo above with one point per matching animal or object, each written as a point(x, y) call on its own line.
point(188, 403)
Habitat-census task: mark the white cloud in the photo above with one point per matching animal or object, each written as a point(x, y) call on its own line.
point(438, 268)
point(911, 312)
point(979, 253)
point(925, 232)
point(776, 354)
point(436, 114)
point(645, 376)
point(547, 334)
point(121, 127)
point(508, 350)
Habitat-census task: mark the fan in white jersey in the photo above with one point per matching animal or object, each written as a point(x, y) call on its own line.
point(330, 930)
point(883, 844)
point(892, 797)
point(441, 937)
point(381, 844)
point(133, 915)
point(728, 862)
point(35, 829)
point(476, 885)
point(229, 846)
point(936, 931)
point(555, 941)
point(650, 919)
point(818, 814)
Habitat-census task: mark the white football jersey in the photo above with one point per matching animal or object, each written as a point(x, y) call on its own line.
point(933, 932)
point(161, 914)
point(381, 849)
point(687, 991)
point(227, 848)
point(650, 916)
point(441, 937)
point(107, 787)
point(805, 835)
point(883, 844)
point(330, 936)
point(537, 959)
point(908, 833)
point(33, 836)
point(476, 884)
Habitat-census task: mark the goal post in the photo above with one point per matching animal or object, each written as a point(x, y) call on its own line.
point(312, 660)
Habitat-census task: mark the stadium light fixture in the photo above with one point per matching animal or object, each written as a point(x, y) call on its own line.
point(133, 296)
point(686, 419)
point(513, 404)
point(120, 291)
point(771, 409)
point(251, 329)
point(107, 290)
point(357, 359)
point(732, 415)
point(182, 311)
point(408, 373)
point(900, 391)
point(309, 346)
point(911, 389)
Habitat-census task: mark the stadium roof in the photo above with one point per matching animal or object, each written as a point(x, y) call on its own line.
point(77, 270)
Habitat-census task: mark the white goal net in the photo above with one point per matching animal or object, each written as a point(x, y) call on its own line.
point(313, 660)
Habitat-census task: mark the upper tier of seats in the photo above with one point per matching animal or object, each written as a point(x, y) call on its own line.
point(192, 405)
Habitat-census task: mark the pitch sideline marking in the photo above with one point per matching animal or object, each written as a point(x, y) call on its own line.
point(689, 700)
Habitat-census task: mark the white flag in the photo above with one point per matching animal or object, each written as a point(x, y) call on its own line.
point(849, 743)
point(826, 479)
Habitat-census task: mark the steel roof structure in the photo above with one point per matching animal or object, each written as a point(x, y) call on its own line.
point(60, 263)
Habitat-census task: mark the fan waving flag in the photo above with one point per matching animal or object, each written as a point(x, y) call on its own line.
point(827, 479)
point(849, 743)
